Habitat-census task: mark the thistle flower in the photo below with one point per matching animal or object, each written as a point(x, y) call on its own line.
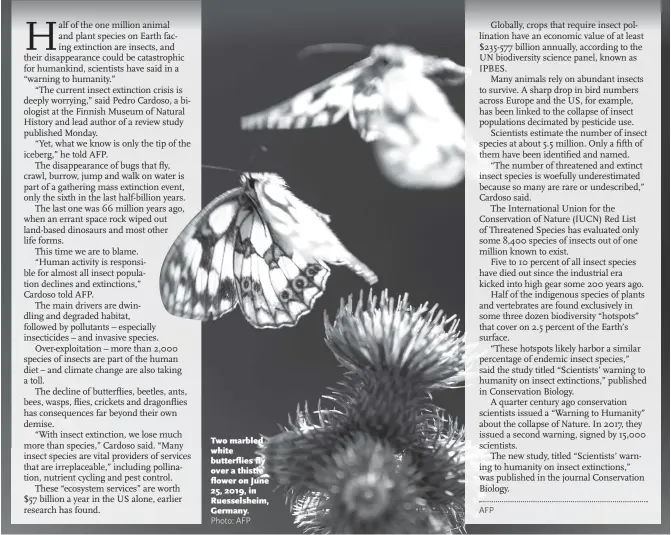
point(364, 487)
point(383, 458)
point(392, 334)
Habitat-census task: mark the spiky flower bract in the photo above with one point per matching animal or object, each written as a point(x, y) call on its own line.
point(381, 404)
point(441, 461)
point(420, 344)
point(382, 458)
point(290, 457)
point(364, 487)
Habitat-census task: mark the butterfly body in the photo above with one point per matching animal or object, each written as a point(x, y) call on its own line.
point(257, 246)
point(393, 100)
point(423, 139)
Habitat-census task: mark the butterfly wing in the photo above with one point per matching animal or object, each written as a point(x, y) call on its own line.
point(444, 71)
point(366, 108)
point(302, 232)
point(323, 104)
point(197, 280)
point(275, 287)
point(422, 143)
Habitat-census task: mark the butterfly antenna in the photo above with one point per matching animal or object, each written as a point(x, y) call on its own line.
point(219, 168)
point(331, 48)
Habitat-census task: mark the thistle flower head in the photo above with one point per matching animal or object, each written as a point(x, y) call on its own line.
point(420, 343)
point(364, 487)
point(383, 458)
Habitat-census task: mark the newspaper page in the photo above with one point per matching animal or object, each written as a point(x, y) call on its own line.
point(335, 267)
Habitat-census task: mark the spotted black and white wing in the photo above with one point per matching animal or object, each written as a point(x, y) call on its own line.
point(367, 104)
point(323, 104)
point(197, 279)
point(274, 287)
point(303, 232)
